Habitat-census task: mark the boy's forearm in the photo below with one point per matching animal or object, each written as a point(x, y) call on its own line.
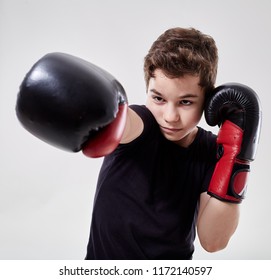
point(217, 223)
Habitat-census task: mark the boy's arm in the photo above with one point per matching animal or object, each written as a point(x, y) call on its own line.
point(76, 106)
point(236, 109)
point(73, 104)
point(217, 221)
point(133, 127)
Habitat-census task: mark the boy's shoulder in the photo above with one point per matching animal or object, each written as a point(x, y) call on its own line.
point(135, 123)
point(206, 136)
point(206, 143)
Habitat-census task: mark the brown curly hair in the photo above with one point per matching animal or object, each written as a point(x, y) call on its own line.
point(180, 51)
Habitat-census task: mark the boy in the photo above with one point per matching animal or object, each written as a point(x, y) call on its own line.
point(159, 164)
point(152, 190)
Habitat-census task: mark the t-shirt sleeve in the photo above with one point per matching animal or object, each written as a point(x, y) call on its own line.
point(207, 179)
point(150, 128)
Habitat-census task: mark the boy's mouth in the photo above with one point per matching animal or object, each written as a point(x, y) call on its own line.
point(170, 129)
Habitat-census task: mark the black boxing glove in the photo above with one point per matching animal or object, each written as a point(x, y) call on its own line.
point(72, 104)
point(236, 108)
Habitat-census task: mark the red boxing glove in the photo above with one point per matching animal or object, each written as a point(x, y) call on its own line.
point(237, 108)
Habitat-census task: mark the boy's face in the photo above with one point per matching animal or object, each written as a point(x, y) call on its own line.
point(177, 105)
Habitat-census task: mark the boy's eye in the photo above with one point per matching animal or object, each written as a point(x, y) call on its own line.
point(185, 102)
point(158, 99)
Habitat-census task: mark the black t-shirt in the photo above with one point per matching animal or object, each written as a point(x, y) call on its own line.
point(146, 201)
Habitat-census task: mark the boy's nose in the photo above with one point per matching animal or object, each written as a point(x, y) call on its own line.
point(171, 114)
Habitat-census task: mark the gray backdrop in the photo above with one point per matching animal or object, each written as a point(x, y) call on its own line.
point(46, 194)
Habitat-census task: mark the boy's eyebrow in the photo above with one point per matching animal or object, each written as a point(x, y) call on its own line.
point(187, 95)
point(155, 91)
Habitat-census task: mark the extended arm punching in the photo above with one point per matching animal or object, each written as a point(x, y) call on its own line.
point(72, 104)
